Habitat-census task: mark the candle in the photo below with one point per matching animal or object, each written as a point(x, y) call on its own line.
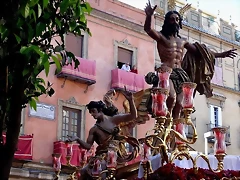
point(188, 90)
point(96, 167)
point(219, 145)
point(145, 152)
point(57, 162)
point(154, 103)
point(164, 74)
point(180, 128)
point(112, 159)
point(78, 175)
point(159, 97)
point(83, 156)
point(69, 148)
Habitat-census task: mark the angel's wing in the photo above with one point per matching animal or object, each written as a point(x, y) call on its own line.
point(141, 99)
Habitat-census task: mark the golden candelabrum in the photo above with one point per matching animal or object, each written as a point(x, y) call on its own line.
point(168, 130)
point(101, 166)
point(57, 163)
point(110, 157)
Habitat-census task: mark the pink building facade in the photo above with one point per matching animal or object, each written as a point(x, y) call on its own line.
point(117, 37)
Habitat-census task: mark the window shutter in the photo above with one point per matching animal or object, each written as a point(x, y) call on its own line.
point(125, 56)
point(219, 116)
point(212, 120)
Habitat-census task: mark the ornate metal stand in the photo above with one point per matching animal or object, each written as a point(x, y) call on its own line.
point(163, 130)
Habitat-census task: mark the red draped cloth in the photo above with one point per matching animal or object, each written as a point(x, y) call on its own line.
point(59, 147)
point(24, 147)
point(86, 69)
point(133, 82)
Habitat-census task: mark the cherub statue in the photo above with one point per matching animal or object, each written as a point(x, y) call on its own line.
point(106, 129)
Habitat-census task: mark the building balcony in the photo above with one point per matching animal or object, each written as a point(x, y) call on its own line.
point(85, 73)
point(24, 149)
point(133, 82)
point(211, 138)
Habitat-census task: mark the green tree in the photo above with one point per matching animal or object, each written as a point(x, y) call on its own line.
point(27, 28)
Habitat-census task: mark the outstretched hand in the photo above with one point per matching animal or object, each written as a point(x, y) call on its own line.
point(230, 53)
point(72, 138)
point(149, 10)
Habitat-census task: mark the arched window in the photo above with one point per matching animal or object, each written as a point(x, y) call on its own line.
point(239, 81)
point(217, 60)
point(238, 64)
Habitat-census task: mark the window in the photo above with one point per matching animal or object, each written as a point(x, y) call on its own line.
point(74, 44)
point(124, 52)
point(215, 116)
point(161, 4)
point(215, 111)
point(78, 45)
point(124, 56)
point(71, 119)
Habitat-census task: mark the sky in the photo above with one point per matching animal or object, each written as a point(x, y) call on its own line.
point(225, 7)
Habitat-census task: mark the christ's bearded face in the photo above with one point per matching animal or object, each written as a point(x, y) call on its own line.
point(173, 24)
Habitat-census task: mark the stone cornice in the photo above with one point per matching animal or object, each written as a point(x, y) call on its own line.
point(216, 37)
point(202, 31)
point(227, 89)
point(118, 21)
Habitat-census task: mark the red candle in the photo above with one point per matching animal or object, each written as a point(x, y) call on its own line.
point(78, 175)
point(161, 109)
point(112, 159)
point(69, 148)
point(154, 103)
point(145, 152)
point(180, 128)
point(188, 90)
point(164, 75)
point(57, 163)
point(220, 145)
point(96, 167)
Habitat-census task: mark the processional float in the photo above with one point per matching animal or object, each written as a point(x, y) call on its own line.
point(166, 128)
point(157, 140)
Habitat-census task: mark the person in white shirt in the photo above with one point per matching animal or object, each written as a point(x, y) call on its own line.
point(126, 67)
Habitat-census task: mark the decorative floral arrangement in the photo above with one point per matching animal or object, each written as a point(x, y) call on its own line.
point(170, 171)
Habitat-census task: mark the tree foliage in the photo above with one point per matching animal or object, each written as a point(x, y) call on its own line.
point(28, 32)
point(27, 29)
